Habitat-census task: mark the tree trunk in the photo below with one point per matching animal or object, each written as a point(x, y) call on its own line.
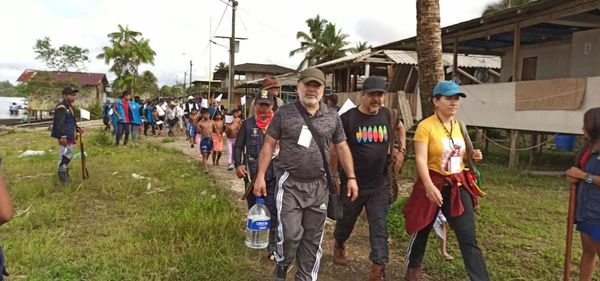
point(429, 51)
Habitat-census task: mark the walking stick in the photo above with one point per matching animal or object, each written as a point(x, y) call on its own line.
point(84, 171)
point(570, 221)
point(249, 189)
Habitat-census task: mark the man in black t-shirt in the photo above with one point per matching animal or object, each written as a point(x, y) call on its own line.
point(368, 132)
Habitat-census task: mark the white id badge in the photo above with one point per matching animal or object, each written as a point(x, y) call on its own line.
point(454, 164)
point(305, 137)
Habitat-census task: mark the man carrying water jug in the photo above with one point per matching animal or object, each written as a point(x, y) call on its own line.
point(249, 139)
point(64, 128)
point(302, 193)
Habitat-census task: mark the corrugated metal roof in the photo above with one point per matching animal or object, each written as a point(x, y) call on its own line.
point(410, 57)
point(348, 58)
point(83, 78)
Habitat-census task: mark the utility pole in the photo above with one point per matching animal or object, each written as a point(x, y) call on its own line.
point(231, 54)
point(184, 79)
point(209, 57)
point(190, 73)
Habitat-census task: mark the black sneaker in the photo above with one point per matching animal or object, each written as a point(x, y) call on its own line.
point(280, 273)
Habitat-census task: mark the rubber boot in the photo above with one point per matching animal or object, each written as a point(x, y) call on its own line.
point(339, 254)
point(377, 272)
point(413, 274)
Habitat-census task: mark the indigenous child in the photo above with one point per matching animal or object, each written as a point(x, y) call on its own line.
point(218, 137)
point(441, 228)
point(205, 129)
point(231, 130)
point(193, 122)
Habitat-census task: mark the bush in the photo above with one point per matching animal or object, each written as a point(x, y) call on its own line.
point(95, 110)
point(100, 138)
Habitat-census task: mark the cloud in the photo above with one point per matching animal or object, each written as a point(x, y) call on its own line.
point(179, 30)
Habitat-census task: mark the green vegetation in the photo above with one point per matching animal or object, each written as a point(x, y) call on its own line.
point(521, 223)
point(323, 42)
point(127, 51)
point(62, 58)
point(174, 226)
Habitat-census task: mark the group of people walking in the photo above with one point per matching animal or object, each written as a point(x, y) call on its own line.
point(288, 151)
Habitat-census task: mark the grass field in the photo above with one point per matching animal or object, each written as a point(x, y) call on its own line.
point(174, 226)
point(521, 223)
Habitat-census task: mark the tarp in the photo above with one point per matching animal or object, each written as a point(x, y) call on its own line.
point(555, 94)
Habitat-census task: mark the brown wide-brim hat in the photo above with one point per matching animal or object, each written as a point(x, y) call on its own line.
point(270, 82)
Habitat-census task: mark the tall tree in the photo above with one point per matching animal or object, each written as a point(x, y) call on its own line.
point(429, 51)
point(360, 46)
point(323, 42)
point(221, 66)
point(127, 51)
point(65, 58)
point(8, 90)
point(501, 5)
point(147, 84)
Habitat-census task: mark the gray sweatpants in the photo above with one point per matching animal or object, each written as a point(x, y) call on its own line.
point(65, 153)
point(301, 211)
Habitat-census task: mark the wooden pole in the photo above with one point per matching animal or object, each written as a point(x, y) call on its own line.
point(513, 156)
point(455, 59)
point(569, 242)
point(516, 50)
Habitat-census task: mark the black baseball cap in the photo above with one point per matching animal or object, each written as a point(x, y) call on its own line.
point(69, 91)
point(263, 96)
point(374, 84)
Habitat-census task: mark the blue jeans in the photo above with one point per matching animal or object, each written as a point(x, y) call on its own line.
point(123, 128)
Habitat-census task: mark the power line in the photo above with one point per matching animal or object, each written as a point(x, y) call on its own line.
point(222, 16)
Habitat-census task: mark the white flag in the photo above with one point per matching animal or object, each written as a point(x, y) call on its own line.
point(243, 100)
point(348, 104)
point(84, 114)
point(228, 119)
point(219, 97)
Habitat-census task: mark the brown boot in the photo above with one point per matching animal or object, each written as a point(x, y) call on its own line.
point(339, 254)
point(413, 274)
point(377, 272)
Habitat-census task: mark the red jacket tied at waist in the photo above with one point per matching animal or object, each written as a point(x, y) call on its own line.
point(419, 211)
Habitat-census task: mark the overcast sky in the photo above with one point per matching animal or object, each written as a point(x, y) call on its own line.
point(179, 30)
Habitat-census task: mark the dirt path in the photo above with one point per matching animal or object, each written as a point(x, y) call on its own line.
point(358, 246)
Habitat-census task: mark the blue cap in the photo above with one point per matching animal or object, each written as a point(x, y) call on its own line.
point(260, 201)
point(448, 89)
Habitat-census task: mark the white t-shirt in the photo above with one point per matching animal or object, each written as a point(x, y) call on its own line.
point(160, 110)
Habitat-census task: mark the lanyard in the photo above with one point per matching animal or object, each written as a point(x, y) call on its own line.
point(448, 133)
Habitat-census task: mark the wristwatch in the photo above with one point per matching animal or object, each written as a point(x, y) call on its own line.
point(589, 178)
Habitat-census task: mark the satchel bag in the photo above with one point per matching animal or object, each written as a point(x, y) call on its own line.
point(335, 208)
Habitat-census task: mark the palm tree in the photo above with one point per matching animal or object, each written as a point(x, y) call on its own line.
point(127, 52)
point(429, 51)
point(332, 44)
point(323, 42)
point(360, 46)
point(221, 66)
point(124, 35)
point(501, 5)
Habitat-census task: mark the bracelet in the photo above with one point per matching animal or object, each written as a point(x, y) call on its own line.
point(351, 178)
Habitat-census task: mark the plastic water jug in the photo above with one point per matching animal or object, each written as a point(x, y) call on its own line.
point(258, 225)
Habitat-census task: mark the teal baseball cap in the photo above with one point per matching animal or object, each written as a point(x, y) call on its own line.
point(448, 89)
